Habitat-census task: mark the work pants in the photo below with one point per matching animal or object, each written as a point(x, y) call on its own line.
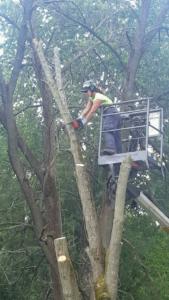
point(111, 139)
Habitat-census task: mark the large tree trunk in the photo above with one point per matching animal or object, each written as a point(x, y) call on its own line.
point(38, 221)
point(89, 212)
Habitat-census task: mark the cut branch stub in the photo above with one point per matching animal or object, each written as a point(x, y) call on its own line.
point(66, 271)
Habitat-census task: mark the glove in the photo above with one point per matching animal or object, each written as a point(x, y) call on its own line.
point(82, 121)
point(75, 124)
point(79, 122)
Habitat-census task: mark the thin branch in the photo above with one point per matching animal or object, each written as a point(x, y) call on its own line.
point(129, 41)
point(5, 275)
point(21, 225)
point(69, 2)
point(89, 29)
point(101, 60)
point(2, 85)
point(159, 20)
point(48, 293)
point(126, 293)
point(27, 107)
point(9, 21)
point(78, 56)
point(83, 52)
point(50, 40)
point(158, 97)
point(34, 163)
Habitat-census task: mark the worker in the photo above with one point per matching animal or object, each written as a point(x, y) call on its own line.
point(111, 120)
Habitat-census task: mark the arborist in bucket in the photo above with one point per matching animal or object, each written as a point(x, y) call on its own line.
point(111, 140)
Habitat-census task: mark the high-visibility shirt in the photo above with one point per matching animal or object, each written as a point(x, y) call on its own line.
point(105, 101)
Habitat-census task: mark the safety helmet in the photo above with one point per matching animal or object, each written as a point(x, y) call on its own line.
point(88, 85)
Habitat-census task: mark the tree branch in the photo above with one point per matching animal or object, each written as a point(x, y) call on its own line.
point(27, 107)
point(89, 29)
point(82, 52)
point(160, 19)
point(9, 21)
point(27, 6)
point(78, 56)
point(34, 163)
point(158, 97)
point(129, 41)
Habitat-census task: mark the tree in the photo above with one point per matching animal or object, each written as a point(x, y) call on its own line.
point(49, 226)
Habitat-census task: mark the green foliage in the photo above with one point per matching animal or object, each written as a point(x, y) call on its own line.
point(144, 270)
point(23, 268)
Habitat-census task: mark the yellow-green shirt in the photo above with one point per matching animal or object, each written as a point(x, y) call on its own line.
point(105, 101)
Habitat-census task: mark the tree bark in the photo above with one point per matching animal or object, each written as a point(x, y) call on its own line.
point(66, 271)
point(136, 52)
point(113, 255)
point(53, 220)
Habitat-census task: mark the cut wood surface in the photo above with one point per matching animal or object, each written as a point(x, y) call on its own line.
point(66, 271)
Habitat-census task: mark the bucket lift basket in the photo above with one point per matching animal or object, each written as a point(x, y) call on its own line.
point(141, 133)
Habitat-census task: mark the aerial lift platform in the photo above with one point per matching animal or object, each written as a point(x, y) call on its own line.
point(142, 139)
point(141, 133)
